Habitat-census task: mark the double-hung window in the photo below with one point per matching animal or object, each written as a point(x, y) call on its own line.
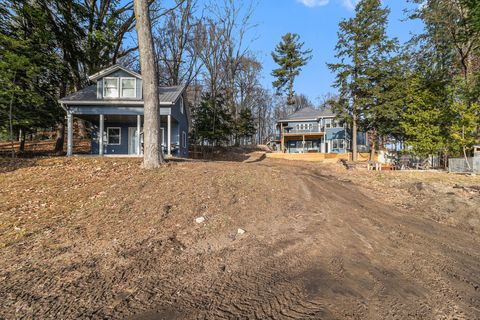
point(328, 123)
point(338, 144)
point(128, 89)
point(110, 87)
point(114, 135)
point(115, 87)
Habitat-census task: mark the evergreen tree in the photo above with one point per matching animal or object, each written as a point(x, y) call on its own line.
point(367, 72)
point(30, 70)
point(450, 47)
point(212, 122)
point(423, 119)
point(245, 124)
point(290, 57)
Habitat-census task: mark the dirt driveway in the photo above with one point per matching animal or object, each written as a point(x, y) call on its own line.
point(101, 239)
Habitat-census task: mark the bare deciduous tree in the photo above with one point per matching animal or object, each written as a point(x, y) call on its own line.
point(177, 45)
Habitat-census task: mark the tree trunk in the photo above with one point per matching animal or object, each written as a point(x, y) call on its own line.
point(21, 149)
point(290, 93)
point(374, 142)
point(354, 138)
point(372, 151)
point(60, 139)
point(152, 157)
point(10, 121)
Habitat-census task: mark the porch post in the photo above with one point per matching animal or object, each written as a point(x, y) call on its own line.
point(69, 134)
point(282, 141)
point(139, 127)
point(100, 137)
point(169, 135)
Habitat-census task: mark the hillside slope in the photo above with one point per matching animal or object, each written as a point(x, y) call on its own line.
point(101, 239)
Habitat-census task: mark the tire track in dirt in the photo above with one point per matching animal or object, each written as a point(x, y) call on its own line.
point(325, 250)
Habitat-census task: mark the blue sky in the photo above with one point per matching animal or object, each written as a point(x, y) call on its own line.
point(316, 21)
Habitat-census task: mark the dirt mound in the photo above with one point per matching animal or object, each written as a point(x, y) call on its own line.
point(102, 239)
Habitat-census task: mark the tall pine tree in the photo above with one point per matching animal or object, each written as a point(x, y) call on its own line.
point(366, 72)
point(291, 57)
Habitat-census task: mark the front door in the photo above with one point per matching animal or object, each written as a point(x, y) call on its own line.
point(132, 140)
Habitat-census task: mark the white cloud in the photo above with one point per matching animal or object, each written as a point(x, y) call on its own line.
point(349, 4)
point(314, 3)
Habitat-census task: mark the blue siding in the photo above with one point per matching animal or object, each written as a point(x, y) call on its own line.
point(362, 138)
point(335, 133)
point(122, 148)
point(182, 119)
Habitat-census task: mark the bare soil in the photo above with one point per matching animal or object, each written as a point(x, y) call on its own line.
point(99, 238)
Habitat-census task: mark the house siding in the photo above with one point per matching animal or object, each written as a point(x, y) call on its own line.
point(122, 148)
point(337, 133)
point(182, 119)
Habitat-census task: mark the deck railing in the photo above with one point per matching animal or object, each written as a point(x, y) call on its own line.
point(312, 129)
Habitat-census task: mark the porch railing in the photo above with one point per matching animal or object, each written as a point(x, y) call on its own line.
point(312, 129)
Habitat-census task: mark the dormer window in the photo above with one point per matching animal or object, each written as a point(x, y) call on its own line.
point(128, 87)
point(114, 87)
point(110, 87)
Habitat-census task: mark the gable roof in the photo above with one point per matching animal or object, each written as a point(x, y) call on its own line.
point(107, 71)
point(88, 96)
point(310, 114)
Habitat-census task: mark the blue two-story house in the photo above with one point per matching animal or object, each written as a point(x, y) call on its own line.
point(114, 107)
point(315, 130)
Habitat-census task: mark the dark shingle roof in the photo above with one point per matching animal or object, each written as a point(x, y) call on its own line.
point(86, 94)
point(310, 114)
point(166, 95)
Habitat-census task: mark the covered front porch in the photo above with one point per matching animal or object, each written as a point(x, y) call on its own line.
point(122, 135)
point(308, 142)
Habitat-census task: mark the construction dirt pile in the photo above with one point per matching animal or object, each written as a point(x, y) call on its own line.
point(255, 238)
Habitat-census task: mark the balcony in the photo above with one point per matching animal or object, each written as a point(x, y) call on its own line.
point(307, 131)
point(311, 129)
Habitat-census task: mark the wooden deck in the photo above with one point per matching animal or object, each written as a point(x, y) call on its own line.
point(317, 157)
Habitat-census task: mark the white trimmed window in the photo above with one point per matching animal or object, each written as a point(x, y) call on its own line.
point(181, 104)
point(110, 87)
point(184, 139)
point(328, 123)
point(114, 135)
point(338, 144)
point(128, 87)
